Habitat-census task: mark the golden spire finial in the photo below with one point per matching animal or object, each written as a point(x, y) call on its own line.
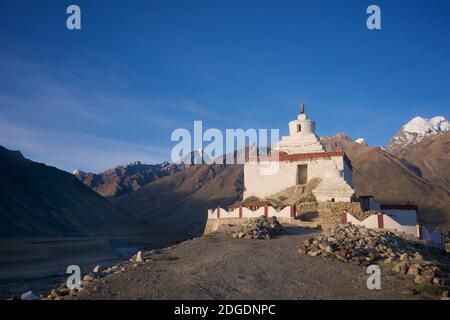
point(302, 108)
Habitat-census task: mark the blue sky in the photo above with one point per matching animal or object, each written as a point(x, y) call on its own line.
point(113, 92)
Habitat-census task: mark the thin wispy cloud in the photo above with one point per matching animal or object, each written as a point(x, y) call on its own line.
point(69, 126)
point(74, 150)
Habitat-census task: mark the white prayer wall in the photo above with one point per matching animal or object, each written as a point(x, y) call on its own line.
point(220, 213)
point(390, 224)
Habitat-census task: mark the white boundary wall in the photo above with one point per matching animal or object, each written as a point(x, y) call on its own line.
point(383, 221)
point(370, 222)
point(244, 212)
point(390, 223)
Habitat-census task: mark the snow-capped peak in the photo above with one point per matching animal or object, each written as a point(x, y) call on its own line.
point(75, 172)
point(361, 141)
point(136, 163)
point(418, 128)
point(423, 126)
point(440, 123)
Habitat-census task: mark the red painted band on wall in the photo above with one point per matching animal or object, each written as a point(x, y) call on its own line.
point(380, 220)
point(344, 217)
point(292, 211)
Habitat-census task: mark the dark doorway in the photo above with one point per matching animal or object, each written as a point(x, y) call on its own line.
point(302, 174)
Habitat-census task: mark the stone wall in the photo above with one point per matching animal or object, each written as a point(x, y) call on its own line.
point(329, 213)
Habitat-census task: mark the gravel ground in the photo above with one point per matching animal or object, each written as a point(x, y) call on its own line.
point(218, 266)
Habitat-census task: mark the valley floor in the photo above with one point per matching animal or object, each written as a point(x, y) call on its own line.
point(38, 264)
point(218, 266)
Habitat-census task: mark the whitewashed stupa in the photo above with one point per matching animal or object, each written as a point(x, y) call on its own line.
point(295, 160)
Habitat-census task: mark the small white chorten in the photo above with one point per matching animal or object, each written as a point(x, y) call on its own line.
point(302, 136)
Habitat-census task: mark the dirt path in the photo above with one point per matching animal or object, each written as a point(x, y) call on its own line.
point(221, 267)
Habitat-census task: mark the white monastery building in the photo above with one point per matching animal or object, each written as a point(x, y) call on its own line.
point(295, 160)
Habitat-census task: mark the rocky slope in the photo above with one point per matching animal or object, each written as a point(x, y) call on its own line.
point(427, 265)
point(39, 200)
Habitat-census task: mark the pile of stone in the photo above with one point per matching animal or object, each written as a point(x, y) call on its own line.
point(259, 228)
point(356, 244)
point(62, 291)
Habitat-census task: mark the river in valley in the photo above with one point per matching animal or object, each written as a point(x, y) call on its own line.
point(40, 264)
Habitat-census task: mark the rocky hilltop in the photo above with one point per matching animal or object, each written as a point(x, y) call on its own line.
point(125, 179)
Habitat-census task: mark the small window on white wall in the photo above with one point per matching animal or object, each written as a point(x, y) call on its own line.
point(302, 174)
point(299, 128)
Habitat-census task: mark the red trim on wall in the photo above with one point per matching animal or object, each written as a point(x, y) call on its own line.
point(344, 217)
point(380, 220)
point(293, 211)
